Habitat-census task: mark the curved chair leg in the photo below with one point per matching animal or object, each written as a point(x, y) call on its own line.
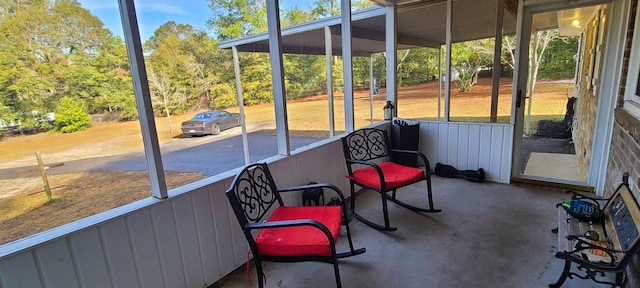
point(418, 209)
point(259, 272)
point(337, 273)
point(387, 227)
point(352, 251)
point(375, 225)
point(563, 277)
point(385, 209)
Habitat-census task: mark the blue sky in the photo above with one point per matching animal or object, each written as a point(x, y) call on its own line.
point(153, 13)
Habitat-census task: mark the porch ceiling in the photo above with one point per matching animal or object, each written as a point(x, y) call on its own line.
point(421, 24)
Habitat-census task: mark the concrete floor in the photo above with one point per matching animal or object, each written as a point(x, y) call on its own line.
point(488, 235)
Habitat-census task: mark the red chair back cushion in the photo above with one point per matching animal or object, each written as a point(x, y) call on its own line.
point(300, 240)
point(395, 175)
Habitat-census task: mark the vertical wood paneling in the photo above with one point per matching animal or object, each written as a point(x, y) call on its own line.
point(443, 137)
point(168, 246)
point(306, 168)
point(469, 146)
point(89, 257)
point(206, 234)
point(188, 239)
point(223, 227)
point(56, 265)
point(338, 161)
point(118, 253)
point(320, 162)
point(473, 159)
point(284, 176)
point(463, 146)
point(432, 143)
point(485, 150)
point(20, 271)
point(452, 144)
point(507, 154)
point(144, 248)
point(496, 151)
point(237, 239)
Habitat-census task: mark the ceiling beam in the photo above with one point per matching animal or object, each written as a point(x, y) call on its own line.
point(380, 36)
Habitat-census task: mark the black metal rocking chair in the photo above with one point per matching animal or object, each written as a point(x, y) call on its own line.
point(361, 149)
point(291, 233)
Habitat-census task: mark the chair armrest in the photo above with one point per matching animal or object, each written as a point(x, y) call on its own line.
point(404, 151)
point(308, 186)
point(368, 163)
point(420, 154)
point(322, 185)
point(293, 223)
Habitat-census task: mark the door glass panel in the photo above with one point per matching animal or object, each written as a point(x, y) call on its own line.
point(560, 103)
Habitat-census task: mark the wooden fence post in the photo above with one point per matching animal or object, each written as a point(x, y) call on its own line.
point(45, 181)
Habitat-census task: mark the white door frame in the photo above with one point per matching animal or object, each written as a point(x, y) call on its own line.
point(607, 95)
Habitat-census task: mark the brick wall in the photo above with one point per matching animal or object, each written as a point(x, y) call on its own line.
point(625, 141)
point(586, 105)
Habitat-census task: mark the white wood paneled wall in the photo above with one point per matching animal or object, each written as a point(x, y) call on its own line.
point(469, 146)
point(192, 238)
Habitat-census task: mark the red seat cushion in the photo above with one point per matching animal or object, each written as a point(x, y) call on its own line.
point(300, 240)
point(395, 175)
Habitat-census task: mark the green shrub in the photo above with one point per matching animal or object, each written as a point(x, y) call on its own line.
point(129, 110)
point(72, 116)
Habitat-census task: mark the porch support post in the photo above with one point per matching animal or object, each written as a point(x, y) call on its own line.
point(347, 66)
point(371, 88)
point(439, 82)
point(328, 48)
point(277, 77)
point(497, 53)
point(243, 123)
point(392, 58)
point(447, 83)
point(143, 99)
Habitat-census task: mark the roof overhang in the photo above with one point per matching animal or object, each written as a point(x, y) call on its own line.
point(422, 25)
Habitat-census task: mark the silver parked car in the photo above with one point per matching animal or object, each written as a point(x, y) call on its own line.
point(210, 122)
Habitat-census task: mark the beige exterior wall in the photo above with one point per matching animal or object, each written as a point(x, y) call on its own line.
point(586, 103)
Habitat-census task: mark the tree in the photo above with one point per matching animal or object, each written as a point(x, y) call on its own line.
point(51, 49)
point(537, 46)
point(467, 58)
point(164, 94)
point(72, 116)
point(559, 61)
point(235, 18)
point(328, 8)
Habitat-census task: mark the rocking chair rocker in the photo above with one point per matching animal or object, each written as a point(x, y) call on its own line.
point(361, 148)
